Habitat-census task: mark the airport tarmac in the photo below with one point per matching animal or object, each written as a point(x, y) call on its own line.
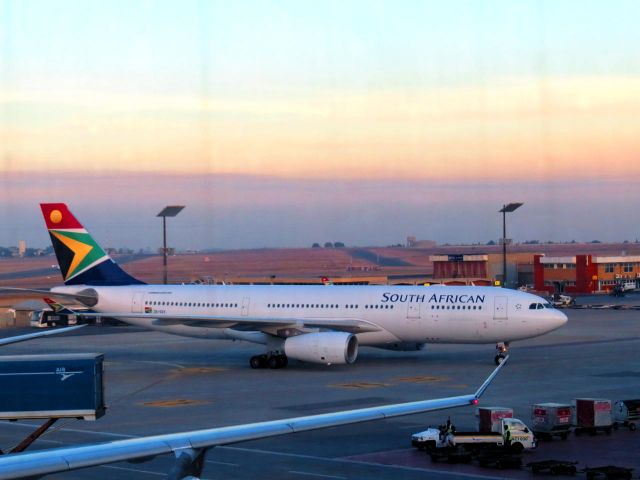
point(158, 383)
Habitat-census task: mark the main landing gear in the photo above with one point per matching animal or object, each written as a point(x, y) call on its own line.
point(502, 348)
point(270, 361)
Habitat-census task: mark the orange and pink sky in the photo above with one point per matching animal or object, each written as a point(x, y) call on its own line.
point(285, 123)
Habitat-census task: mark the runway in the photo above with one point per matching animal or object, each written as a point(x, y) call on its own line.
point(157, 383)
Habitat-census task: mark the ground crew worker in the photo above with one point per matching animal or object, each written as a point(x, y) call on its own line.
point(507, 436)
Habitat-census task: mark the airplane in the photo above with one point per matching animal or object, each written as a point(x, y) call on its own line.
point(190, 448)
point(322, 324)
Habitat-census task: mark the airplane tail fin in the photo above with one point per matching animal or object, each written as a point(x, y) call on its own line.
point(82, 261)
point(58, 307)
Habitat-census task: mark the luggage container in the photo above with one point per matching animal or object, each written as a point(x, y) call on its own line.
point(627, 413)
point(551, 420)
point(52, 386)
point(490, 418)
point(593, 415)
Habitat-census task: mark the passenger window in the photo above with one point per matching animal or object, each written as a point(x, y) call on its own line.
point(532, 306)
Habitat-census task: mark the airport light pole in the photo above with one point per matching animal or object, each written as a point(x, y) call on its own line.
point(510, 207)
point(169, 211)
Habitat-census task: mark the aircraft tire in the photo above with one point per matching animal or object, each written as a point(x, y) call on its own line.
point(258, 361)
point(499, 359)
point(274, 362)
point(277, 361)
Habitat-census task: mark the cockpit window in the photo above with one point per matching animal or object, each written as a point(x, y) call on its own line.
point(539, 306)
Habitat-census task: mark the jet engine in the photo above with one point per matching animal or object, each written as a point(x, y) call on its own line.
point(323, 347)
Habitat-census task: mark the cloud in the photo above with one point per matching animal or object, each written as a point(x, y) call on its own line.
point(512, 128)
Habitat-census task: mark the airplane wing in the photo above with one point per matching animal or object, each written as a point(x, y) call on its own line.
point(351, 325)
point(190, 447)
point(87, 297)
point(29, 336)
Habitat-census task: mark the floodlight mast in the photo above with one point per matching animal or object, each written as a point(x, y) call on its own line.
point(168, 211)
point(508, 208)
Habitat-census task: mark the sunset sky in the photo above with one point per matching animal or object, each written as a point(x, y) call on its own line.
point(285, 123)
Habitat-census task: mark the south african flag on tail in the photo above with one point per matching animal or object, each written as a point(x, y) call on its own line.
point(82, 261)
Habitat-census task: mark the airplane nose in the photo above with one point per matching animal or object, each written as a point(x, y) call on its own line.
point(559, 319)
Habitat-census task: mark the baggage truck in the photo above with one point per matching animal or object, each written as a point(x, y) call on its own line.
point(551, 420)
point(490, 418)
point(627, 413)
point(513, 435)
point(52, 386)
point(592, 415)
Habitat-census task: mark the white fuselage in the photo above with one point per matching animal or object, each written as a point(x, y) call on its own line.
point(436, 314)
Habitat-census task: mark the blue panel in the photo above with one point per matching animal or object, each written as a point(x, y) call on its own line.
point(57, 384)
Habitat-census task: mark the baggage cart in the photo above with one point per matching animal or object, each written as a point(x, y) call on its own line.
point(592, 415)
point(608, 472)
point(500, 460)
point(490, 418)
point(451, 455)
point(627, 413)
point(550, 420)
point(554, 467)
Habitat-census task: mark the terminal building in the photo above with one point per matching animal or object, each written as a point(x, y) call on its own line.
point(585, 273)
point(483, 269)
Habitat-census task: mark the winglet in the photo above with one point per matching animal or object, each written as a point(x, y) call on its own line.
point(486, 383)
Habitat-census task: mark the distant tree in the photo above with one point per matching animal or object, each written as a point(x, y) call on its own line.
point(328, 245)
point(626, 241)
point(491, 242)
point(338, 244)
point(315, 245)
point(596, 241)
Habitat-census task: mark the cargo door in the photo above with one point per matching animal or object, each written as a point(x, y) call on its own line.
point(245, 306)
point(137, 302)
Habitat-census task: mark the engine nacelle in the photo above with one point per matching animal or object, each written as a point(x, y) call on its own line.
point(323, 347)
point(401, 346)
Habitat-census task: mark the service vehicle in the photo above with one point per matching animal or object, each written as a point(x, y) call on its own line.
point(513, 435)
point(49, 318)
point(550, 420)
point(560, 300)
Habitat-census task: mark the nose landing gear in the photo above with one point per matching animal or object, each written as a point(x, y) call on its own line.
point(502, 348)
